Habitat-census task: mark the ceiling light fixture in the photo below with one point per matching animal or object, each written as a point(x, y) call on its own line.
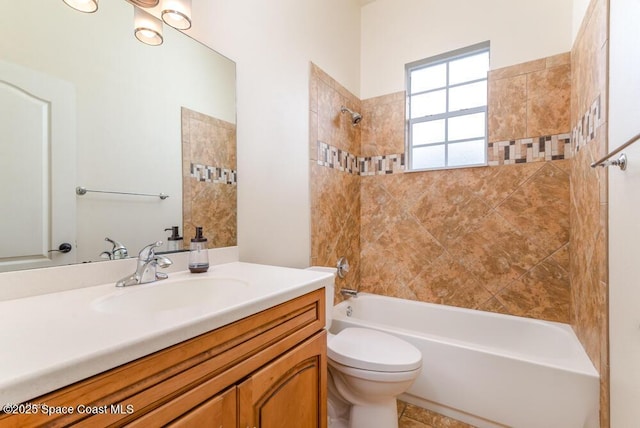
point(147, 28)
point(177, 13)
point(88, 6)
point(145, 3)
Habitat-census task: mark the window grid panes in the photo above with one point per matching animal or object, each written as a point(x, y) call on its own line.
point(447, 109)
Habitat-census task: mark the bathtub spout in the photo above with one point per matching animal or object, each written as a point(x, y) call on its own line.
point(348, 292)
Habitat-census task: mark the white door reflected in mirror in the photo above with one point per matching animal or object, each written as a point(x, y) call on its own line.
point(37, 125)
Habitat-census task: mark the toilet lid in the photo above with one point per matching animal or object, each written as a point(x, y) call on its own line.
point(373, 350)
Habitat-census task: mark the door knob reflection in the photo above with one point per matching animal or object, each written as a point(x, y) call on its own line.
point(65, 247)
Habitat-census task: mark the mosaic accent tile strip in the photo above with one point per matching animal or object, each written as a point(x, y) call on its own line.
point(336, 158)
point(214, 174)
point(342, 160)
point(526, 150)
point(585, 129)
point(380, 165)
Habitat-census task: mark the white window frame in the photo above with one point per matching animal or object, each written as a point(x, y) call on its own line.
point(445, 58)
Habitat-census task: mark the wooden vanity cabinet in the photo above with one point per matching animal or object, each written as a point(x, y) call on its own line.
point(219, 411)
point(288, 392)
point(267, 370)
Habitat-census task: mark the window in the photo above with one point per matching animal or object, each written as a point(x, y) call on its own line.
point(447, 109)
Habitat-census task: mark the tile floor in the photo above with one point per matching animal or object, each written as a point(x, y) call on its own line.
point(410, 416)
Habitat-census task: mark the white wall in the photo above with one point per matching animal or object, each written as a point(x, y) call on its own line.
point(624, 205)
point(272, 43)
point(396, 32)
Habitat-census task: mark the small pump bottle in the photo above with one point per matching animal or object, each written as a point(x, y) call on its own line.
point(175, 241)
point(198, 255)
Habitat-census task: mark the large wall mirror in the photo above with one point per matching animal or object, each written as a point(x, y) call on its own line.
point(85, 104)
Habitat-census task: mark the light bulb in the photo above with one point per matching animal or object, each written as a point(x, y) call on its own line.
point(177, 13)
point(88, 6)
point(147, 28)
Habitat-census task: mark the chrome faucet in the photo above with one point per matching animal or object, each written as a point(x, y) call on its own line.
point(119, 251)
point(148, 262)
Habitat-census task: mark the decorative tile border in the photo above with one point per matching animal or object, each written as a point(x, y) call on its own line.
point(213, 174)
point(336, 158)
point(380, 165)
point(585, 130)
point(342, 160)
point(526, 150)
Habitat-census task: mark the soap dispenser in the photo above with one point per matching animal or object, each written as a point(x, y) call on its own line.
point(198, 254)
point(174, 242)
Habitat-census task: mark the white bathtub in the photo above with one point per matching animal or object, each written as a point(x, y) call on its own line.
point(486, 369)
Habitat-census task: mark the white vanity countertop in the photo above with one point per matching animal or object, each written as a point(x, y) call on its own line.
point(53, 340)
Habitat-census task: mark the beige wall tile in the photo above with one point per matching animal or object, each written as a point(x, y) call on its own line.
point(562, 257)
point(313, 135)
point(494, 305)
point(438, 200)
point(518, 69)
point(548, 101)
point(399, 252)
point(540, 208)
point(507, 108)
point(448, 282)
point(214, 209)
point(588, 218)
point(383, 125)
point(213, 206)
point(494, 184)
point(542, 293)
point(448, 209)
point(531, 99)
point(496, 252)
point(335, 195)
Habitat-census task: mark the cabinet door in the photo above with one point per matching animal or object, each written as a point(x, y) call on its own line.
point(290, 392)
point(218, 412)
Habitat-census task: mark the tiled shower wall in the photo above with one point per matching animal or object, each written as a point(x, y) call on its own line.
point(507, 238)
point(589, 199)
point(335, 191)
point(493, 238)
point(209, 179)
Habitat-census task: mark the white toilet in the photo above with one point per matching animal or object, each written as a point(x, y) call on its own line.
point(368, 369)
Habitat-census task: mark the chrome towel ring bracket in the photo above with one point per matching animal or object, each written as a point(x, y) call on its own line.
point(621, 162)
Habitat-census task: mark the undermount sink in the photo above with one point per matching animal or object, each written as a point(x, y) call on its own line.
point(174, 294)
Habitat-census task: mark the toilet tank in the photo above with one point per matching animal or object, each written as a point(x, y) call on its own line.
point(328, 293)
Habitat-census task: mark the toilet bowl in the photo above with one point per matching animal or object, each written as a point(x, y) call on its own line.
point(368, 369)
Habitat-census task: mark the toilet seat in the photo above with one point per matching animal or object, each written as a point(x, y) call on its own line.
point(372, 375)
point(367, 349)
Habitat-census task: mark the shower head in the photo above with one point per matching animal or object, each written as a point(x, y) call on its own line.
point(355, 116)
